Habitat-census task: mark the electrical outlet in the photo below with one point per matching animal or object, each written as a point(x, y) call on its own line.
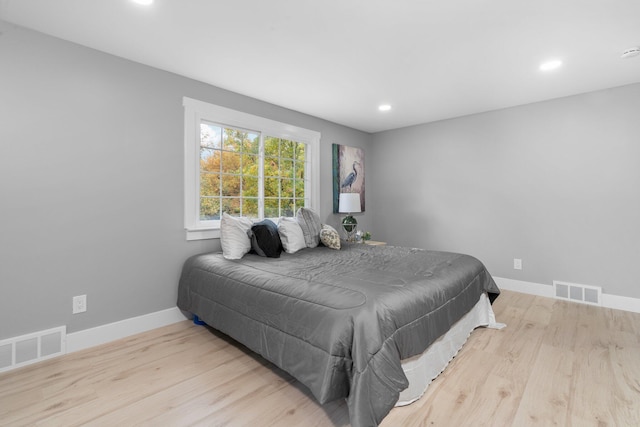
point(517, 264)
point(79, 304)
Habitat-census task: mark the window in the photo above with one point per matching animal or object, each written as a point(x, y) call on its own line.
point(244, 165)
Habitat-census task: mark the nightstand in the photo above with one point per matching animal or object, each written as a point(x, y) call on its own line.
point(374, 243)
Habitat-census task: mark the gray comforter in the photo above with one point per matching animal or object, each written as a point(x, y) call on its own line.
point(338, 321)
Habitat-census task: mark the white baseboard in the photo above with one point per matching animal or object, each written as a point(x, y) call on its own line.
point(524, 287)
point(113, 331)
point(610, 301)
point(621, 303)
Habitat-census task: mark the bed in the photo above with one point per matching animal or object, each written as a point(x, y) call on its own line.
point(341, 322)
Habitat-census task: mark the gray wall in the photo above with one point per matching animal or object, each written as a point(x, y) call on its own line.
point(91, 193)
point(91, 181)
point(555, 183)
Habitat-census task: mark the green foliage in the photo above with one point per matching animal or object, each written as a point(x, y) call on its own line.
point(229, 170)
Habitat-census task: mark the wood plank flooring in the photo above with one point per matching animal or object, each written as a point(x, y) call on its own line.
point(556, 363)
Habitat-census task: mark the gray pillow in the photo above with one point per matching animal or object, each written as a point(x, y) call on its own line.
point(309, 221)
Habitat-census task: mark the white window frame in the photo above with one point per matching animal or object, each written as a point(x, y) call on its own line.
point(194, 112)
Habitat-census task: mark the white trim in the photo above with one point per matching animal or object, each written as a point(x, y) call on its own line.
point(191, 118)
point(207, 233)
point(524, 287)
point(609, 301)
point(103, 334)
point(194, 112)
point(621, 303)
point(113, 331)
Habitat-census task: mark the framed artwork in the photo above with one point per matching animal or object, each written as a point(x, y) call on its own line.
point(348, 173)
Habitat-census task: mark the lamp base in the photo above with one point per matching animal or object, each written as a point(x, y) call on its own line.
point(350, 225)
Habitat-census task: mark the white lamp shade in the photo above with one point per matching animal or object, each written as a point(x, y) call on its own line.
point(349, 203)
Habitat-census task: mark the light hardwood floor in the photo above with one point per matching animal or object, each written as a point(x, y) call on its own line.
point(556, 363)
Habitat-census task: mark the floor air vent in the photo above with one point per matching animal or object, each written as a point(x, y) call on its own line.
point(578, 293)
point(32, 348)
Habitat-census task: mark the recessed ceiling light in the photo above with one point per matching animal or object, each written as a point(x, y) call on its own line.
point(143, 2)
point(550, 65)
point(384, 107)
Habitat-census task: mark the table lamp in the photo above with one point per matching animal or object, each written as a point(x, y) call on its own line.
point(349, 203)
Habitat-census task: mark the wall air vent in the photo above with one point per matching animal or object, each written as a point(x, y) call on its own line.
point(578, 293)
point(32, 348)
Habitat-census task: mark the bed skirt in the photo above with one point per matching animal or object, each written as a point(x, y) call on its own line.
point(422, 369)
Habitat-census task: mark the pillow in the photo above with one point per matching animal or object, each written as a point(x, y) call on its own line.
point(329, 237)
point(310, 223)
point(291, 235)
point(265, 240)
point(233, 236)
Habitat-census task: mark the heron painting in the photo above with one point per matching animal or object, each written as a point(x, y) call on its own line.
point(348, 173)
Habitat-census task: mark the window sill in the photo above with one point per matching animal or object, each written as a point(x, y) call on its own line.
point(203, 234)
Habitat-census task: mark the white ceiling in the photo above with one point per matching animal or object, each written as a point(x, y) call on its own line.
point(339, 59)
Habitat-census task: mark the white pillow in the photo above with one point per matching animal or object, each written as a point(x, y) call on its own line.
point(291, 235)
point(234, 239)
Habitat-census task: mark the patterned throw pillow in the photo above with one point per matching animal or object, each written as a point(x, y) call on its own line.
point(329, 237)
